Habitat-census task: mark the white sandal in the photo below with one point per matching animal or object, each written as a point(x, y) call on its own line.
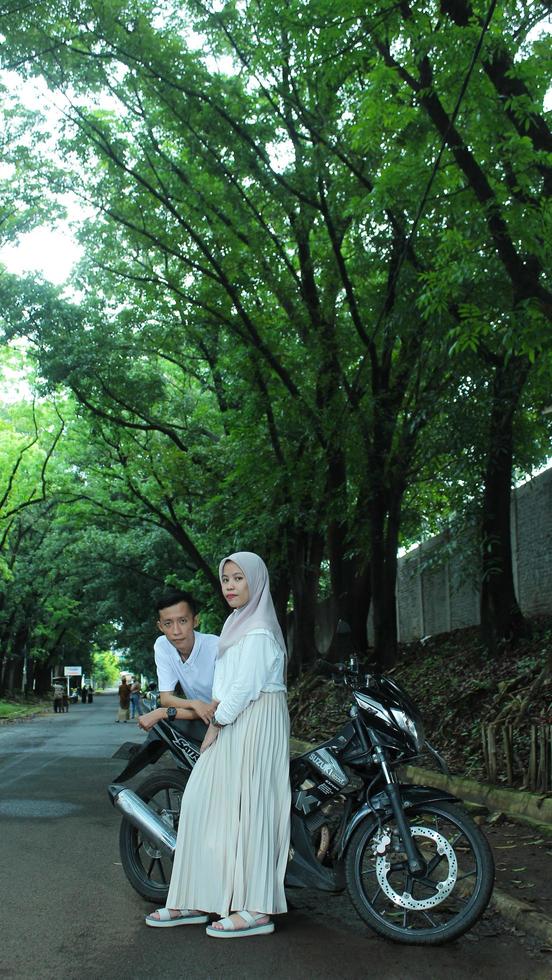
point(231, 931)
point(184, 918)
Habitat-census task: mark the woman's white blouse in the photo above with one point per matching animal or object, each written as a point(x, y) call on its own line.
point(253, 665)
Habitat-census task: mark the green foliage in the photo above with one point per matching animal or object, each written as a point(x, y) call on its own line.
point(290, 324)
point(106, 669)
point(22, 709)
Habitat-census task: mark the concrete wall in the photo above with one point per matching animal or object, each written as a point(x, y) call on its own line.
point(532, 544)
point(438, 591)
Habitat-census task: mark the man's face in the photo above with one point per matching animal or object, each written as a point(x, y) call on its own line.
point(178, 624)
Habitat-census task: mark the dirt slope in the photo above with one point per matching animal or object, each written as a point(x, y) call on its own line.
point(457, 686)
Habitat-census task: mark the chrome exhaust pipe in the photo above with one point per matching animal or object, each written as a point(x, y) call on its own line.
point(138, 813)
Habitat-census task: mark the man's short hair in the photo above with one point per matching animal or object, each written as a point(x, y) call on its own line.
point(173, 597)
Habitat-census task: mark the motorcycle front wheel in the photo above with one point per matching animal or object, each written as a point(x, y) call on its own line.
point(441, 904)
point(148, 869)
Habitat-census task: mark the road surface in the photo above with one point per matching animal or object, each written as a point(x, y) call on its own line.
point(68, 912)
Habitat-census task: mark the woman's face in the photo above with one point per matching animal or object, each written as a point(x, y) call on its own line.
point(234, 585)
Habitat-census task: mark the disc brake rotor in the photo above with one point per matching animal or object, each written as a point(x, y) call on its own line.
point(443, 887)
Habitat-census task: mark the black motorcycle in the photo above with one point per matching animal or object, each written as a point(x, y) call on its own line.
point(417, 868)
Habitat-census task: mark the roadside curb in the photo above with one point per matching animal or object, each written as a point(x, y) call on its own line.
point(515, 803)
point(522, 915)
point(18, 718)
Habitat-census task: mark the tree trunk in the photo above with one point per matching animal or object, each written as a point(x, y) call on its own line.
point(12, 680)
point(360, 593)
point(280, 589)
point(43, 678)
point(5, 651)
point(501, 618)
point(353, 595)
point(14, 675)
point(29, 682)
point(304, 563)
point(385, 523)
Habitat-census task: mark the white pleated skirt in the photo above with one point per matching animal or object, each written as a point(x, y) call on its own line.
point(233, 835)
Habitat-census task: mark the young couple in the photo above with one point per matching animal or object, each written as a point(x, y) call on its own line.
point(233, 835)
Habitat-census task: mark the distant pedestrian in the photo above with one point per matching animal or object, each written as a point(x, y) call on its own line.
point(58, 697)
point(83, 693)
point(124, 701)
point(90, 697)
point(136, 706)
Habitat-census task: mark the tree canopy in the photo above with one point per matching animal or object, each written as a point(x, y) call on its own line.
point(313, 308)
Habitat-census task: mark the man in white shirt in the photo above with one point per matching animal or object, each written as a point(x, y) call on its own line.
point(184, 656)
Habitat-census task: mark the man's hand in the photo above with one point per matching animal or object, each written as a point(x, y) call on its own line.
point(203, 710)
point(150, 719)
point(210, 737)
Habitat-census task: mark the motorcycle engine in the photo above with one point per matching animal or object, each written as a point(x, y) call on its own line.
point(323, 825)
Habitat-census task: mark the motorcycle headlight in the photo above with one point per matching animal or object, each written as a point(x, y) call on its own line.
point(413, 729)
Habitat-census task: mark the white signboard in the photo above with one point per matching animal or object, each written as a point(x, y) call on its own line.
point(72, 671)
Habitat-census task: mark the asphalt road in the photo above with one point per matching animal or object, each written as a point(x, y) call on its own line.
point(67, 910)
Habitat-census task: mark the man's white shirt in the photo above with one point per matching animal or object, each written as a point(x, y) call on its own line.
point(195, 675)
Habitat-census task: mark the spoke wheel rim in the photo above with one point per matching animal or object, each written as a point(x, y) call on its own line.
point(154, 864)
point(387, 899)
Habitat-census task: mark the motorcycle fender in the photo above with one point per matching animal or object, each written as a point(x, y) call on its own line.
point(380, 807)
point(413, 795)
point(146, 754)
point(366, 812)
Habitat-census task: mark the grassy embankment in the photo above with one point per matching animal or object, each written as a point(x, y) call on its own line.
point(15, 708)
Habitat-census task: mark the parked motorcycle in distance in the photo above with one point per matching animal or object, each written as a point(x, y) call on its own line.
point(417, 868)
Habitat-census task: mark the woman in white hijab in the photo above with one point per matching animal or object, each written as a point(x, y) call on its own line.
point(233, 835)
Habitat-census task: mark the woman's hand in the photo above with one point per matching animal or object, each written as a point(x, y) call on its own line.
point(211, 736)
point(150, 719)
point(203, 710)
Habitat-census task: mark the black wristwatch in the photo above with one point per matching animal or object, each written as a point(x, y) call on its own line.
point(171, 714)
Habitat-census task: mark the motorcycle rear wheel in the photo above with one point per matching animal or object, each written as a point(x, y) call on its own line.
point(149, 870)
point(447, 901)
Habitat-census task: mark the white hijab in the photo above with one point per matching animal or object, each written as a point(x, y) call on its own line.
point(258, 612)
